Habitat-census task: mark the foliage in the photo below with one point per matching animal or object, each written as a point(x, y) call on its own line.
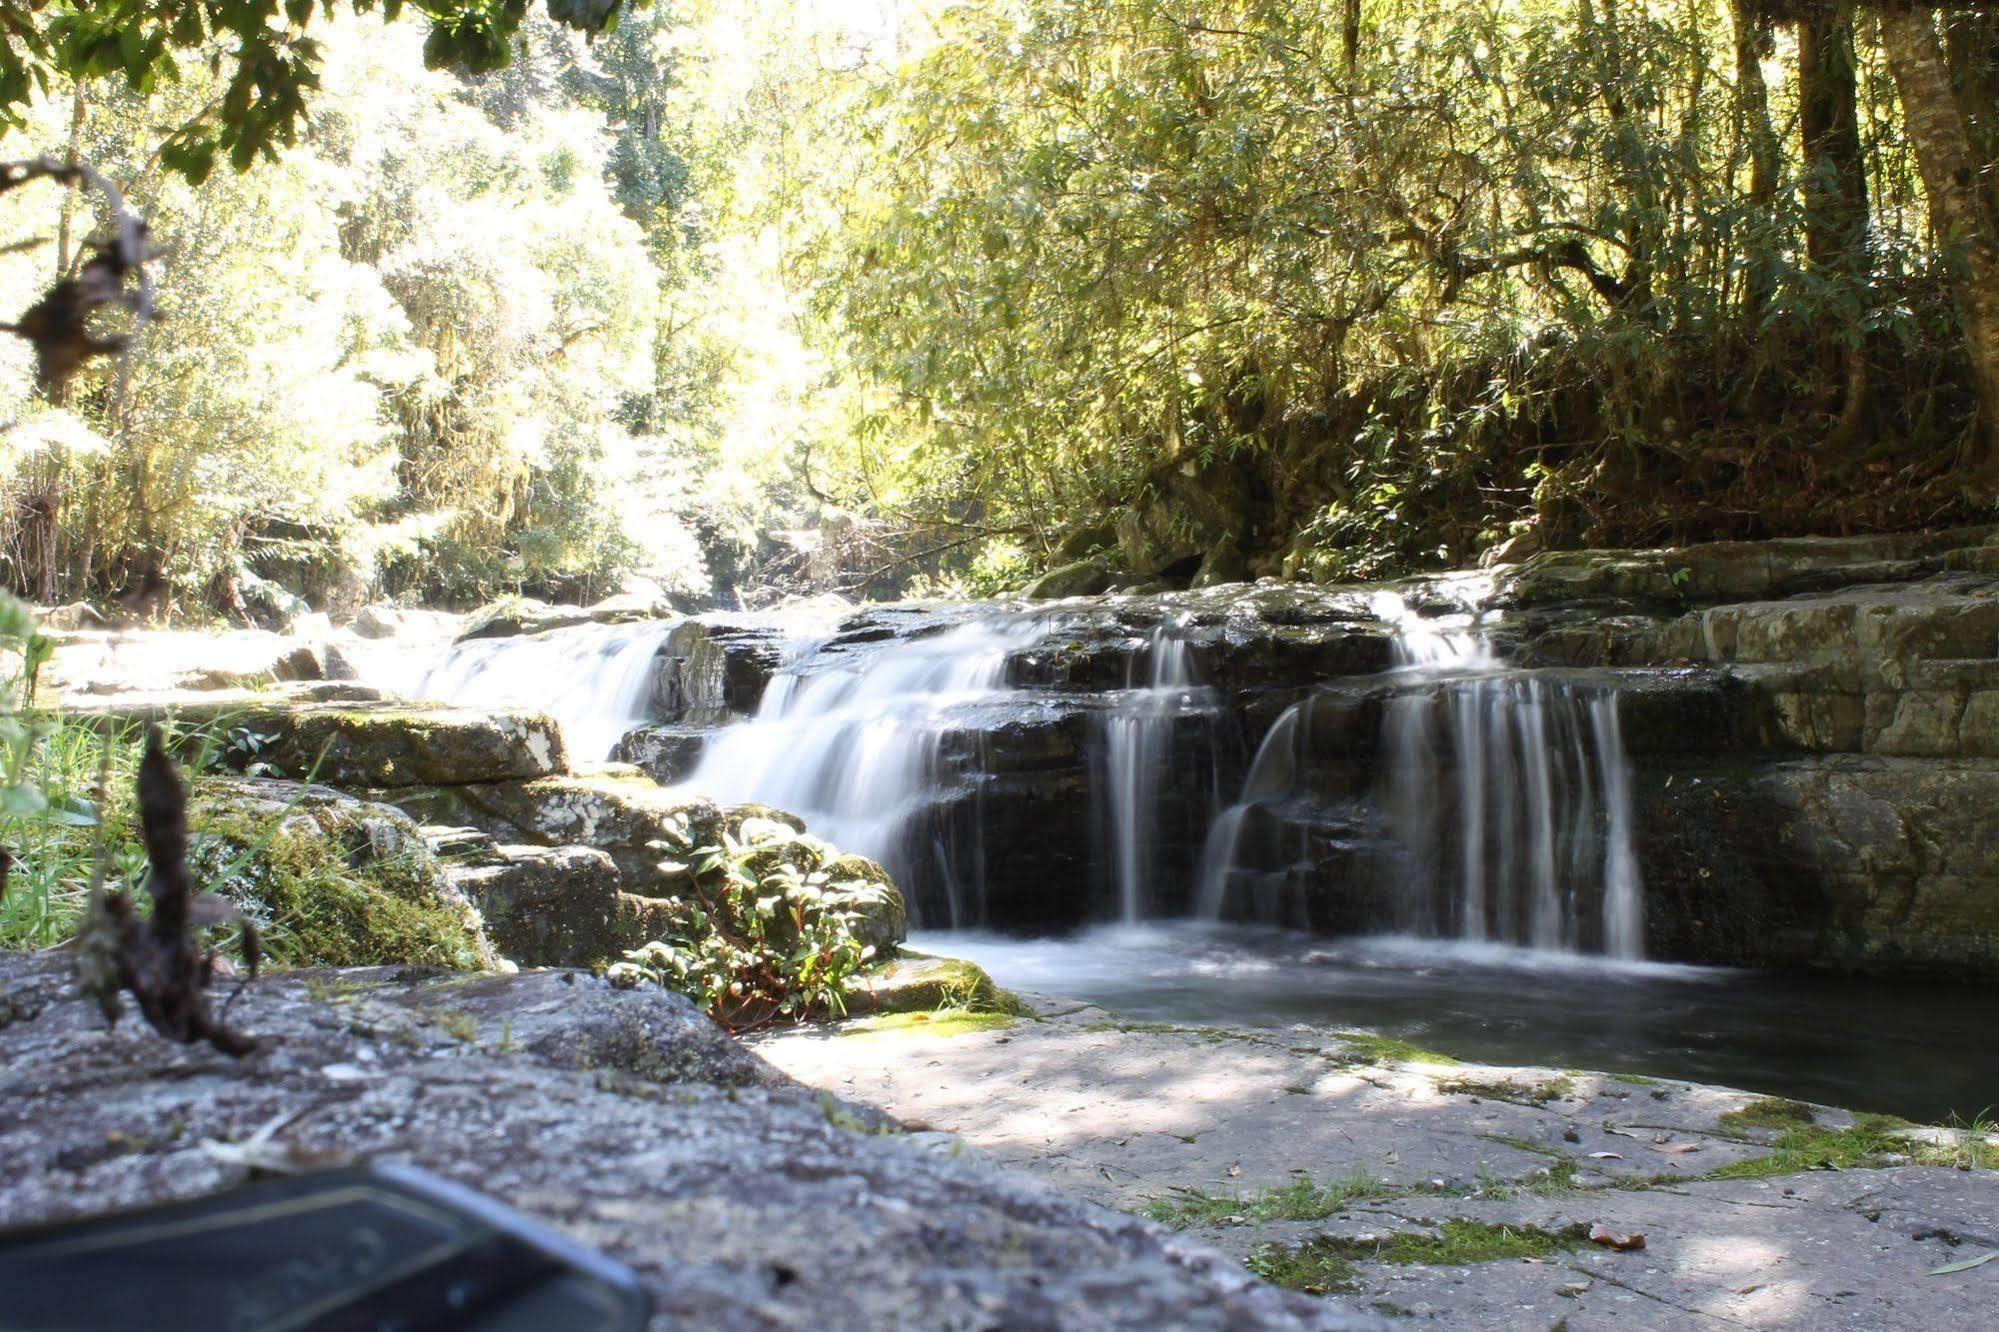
point(397, 356)
point(1534, 266)
point(774, 933)
point(264, 56)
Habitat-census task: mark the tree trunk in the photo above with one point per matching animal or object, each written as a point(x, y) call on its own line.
point(1835, 195)
point(1971, 48)
point(1350, 39)
point(1765, 154)
point(1961, 211)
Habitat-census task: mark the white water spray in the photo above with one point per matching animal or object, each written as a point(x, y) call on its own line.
point(1160, 689)
point(857, 747)
point(1505, 793)
point(596, 680)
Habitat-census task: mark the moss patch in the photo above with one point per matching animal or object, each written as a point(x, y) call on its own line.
point(1768, 1112)
point(942, 1022)
point(330, 886)
point(1329, 1263)
point(1812, 1147)
point(1388, 1050)
point(1520, 1093)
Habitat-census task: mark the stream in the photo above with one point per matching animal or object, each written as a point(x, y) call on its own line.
point(1924, 1052)
point(1467, 869)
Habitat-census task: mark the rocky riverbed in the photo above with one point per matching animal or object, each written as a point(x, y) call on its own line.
point(1425, 1190)
point(623, 1118)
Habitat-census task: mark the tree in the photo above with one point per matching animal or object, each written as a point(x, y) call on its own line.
point(267, 53)
point(1961, 207)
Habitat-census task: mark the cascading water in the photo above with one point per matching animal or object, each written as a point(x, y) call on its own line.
point(596, 680)
point(1138, 751)
point(859, 745)
point(1504, 795)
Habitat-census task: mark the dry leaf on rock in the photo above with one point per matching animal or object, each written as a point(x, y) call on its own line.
point(1599, 1233)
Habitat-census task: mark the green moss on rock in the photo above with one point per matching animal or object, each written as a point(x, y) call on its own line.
point(330, 880)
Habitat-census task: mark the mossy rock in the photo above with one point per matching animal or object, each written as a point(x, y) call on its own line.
point(1083, 578)
point(649, 832)
point(330, 880)
point(922, 983)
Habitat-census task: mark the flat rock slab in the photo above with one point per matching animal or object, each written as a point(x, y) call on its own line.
point(1137, 1114)
point(623, 1118)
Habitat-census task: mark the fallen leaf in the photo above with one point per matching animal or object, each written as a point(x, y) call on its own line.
point(1599, 1233)
point(1234, 1171)
point(1622, 1133)
point(1234, 1221)
point(1606, 1156)
point(1676, 1148)
point(1966, 1265)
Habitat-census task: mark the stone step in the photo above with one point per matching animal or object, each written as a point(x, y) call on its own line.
point(453, 843)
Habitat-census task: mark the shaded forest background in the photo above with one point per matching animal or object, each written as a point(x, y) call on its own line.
point(742, 299)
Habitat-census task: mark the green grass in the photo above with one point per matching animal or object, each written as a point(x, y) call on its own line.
point(1301, 1200)
point(1768, 1112)
point(1815, 1147)
point(55, 846)
point(1329, 1263)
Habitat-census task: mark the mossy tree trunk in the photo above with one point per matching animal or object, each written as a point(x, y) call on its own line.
point(1961, 211)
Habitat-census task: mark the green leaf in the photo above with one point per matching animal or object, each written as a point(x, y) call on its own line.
point(1965, 1265)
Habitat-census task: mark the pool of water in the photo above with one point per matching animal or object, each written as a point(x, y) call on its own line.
point(1922, 1051)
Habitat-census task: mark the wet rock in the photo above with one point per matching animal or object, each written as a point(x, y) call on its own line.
point(666, 753)
point(1876, 864)
point(624, 1119)
point(713, 671)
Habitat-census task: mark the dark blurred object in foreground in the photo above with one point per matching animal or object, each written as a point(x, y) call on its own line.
point(376, 1247)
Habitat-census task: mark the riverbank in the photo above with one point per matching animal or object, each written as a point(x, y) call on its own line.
point(1415, 1186)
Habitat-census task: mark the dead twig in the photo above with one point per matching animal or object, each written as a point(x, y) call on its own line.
point(159, 960)
point(115, 275)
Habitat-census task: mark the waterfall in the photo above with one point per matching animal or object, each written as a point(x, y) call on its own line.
point(596, 680)
point(1503, 796)
point(867, 746)
point(1138, 734)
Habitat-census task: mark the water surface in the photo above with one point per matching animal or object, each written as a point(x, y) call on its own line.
point(1922, 1051)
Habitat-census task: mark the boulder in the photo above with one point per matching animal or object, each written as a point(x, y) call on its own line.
point(550, 906)
point(1224, 563)
point(657, 841)
point(623, 1119)
point(666, 753)
point(328, 878)
point(390, 746)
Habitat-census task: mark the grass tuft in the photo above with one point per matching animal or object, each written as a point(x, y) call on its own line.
point(1301, 1200)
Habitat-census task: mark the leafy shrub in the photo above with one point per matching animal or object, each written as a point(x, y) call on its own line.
point(783, 923)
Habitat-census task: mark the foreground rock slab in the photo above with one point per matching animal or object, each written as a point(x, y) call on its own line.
point(624, 1118)
point(1213, 1125)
